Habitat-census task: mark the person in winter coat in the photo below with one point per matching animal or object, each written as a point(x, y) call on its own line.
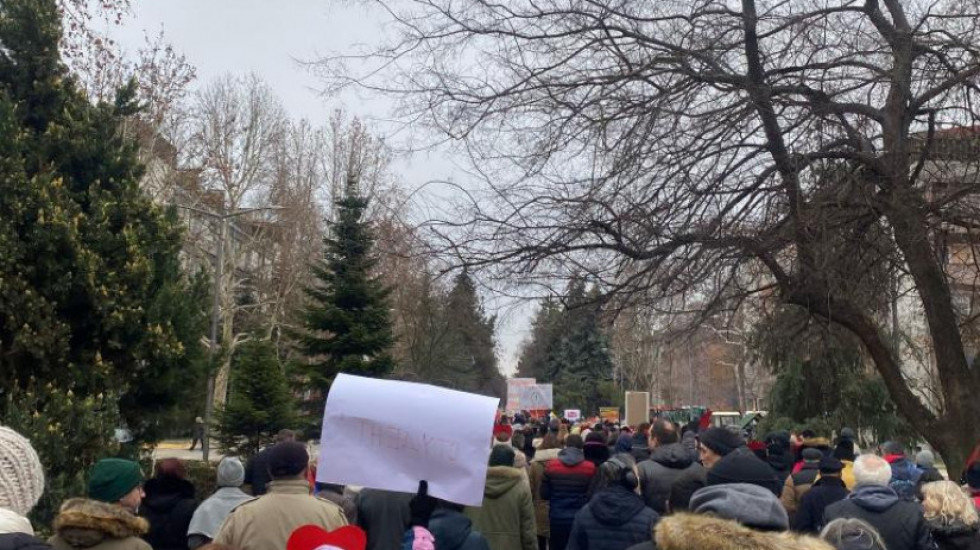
point(21, 486)
point(899, 521)
point(852, 534)
point(827, 490)
point(905, 474)
point(565, 485)
point(640, 448)
point(383, 515)
point(257, 469)
point(546, 452)
point(267, 522)
point(799, 483)
point(742, 466)
point(951, 516)
point(107, 519)
point(778, 454)
point(844, 451)
point(616, 516)
point(811, 441)
point(452, 530)
point(169, 506)
point(341, 496)
point(212, 512)
point(669, 461)
point(595, 449)
point(506, 518)
point(716, 443)
point(926, 461)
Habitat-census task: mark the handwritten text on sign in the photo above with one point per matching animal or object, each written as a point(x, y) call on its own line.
point(390, 435)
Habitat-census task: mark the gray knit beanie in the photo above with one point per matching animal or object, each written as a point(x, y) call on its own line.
point(925, 459)
point(21, 474)
point(231, 473)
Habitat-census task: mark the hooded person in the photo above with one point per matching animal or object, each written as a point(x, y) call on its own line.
point(732, 516)
point(668, 462)
point(742, 466)
point(615, 517)
point(799, 483)
point(21, 486)
point(212, 512)
point(107, 519)
point(169, 506)
point(905, 474)
point(565, 485)
point(545, 453)
point(595, 450)
point(506, 518)
point(951, 516)
point(825, 491)
point(899, 522)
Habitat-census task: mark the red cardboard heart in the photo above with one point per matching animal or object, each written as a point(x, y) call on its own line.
point(314, 537)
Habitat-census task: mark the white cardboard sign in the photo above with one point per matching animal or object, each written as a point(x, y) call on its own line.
point(573, 415)
point(390, 435)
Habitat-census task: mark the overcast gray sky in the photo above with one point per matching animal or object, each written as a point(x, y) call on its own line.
point(267, 38)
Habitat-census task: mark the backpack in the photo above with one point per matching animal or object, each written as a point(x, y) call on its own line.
point(905, 484)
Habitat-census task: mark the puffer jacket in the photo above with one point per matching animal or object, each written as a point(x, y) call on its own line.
point(615, 519)
point(796, 486)
point(899, 522)
point(566, 484)
point(506, 518)
point(541, 508)
point(454, 531)
point(94, 525)
point(955, 536)
point(667, 464)
point(169, 507)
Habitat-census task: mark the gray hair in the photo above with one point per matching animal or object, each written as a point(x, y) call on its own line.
point(852, 534)
point(872, 470)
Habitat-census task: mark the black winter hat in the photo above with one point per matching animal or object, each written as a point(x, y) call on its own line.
point(811, 455)
point(742, 466)
point(288, 459)
point(502, 455)
point(830, 465)
point(721, 440)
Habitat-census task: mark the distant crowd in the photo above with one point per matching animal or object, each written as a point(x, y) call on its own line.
point(550, 485)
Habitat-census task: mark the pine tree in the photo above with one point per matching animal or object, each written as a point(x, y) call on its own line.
point(472, 358)
point(260, 403)
point(347, 322)
point(545, 332)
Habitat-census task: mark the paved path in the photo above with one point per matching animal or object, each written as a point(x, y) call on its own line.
point(176, 448)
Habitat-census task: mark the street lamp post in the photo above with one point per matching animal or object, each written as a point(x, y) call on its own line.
point(219, 259)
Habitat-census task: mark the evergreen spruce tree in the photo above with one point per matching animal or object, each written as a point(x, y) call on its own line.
point(260, 403)
point(347, 322)
point(96, 315)
point(472, 358)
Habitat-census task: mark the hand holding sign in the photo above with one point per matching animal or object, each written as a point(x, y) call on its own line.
point(390, 435)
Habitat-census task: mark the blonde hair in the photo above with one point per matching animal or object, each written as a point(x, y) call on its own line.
point(945, 503)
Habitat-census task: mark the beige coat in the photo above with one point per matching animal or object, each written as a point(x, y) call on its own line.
point(541, 505)
point(698, 532)
point(94, 525)
point(266, 522)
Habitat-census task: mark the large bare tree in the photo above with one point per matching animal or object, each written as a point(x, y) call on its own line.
point(711, 150)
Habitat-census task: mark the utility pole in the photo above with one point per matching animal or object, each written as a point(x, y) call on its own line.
point(219, 258)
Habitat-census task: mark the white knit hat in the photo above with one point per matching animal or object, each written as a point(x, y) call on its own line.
point(21, 474)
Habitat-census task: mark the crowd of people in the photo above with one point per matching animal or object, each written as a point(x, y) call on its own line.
point(550, 485)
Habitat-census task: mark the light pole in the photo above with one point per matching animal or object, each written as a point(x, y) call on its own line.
point(219, 259)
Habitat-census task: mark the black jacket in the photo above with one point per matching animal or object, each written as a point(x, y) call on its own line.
point(21, 541)
point(596, 452)
point(899, 522)
point(454, 531)
point(826, 491)
point(257, 472)
point(384, 516)
point(667, 464)
point(955, 537)
point(615, 519)
point(641, 447)
point(169, 506)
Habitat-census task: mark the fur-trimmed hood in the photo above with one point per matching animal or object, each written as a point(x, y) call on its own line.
point(699, 532)
point(83, 523)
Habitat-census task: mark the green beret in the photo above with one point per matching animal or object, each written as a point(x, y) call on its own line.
point(113, 478)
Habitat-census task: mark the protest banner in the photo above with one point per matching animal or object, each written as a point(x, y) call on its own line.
point(637, 408)
point(515, 391)
point(609, 414)
point(538, 397)
point(573, 415)
point(386, 434)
